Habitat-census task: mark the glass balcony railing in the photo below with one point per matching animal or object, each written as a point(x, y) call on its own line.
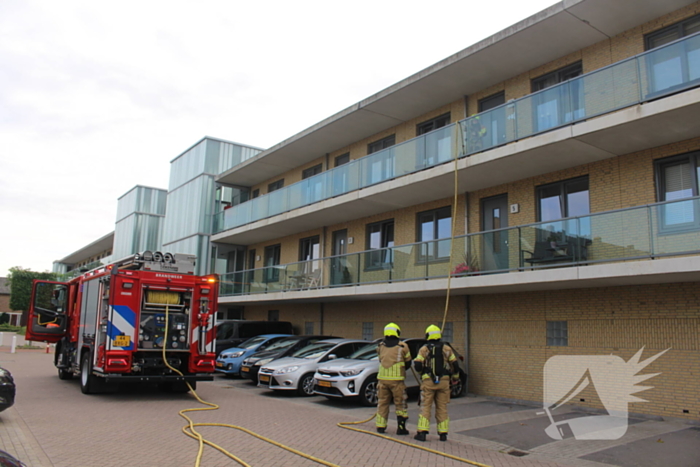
point(411, 156)
point(646, 232)
point(657, 73)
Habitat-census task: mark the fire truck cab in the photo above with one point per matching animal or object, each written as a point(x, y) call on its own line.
point(146, 318)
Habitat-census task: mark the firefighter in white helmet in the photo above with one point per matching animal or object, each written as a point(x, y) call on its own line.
point(435, 362)
point(394, 359)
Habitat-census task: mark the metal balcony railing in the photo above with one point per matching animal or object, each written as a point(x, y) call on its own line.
point(646, 232)
point(657, 73)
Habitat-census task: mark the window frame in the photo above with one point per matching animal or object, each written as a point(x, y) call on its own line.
point(693, 159)
point(434, 124)
point(485, 100)
point(379, 258)
point(275, 252)
point(276, 185)
point(679, 26)
point(557, 334)
point(432, 258)
point(385, 143)
point(559, 74)
point(311, 171)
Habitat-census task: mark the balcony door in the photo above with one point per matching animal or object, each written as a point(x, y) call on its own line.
point(340, 273)
point(673, 67)
point(494, 216)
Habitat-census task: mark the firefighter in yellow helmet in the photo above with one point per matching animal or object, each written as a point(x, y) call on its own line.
point(394, 359)
point(435, 362)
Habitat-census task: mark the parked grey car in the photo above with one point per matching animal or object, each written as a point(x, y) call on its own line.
point(356, 376)
point(296, 373)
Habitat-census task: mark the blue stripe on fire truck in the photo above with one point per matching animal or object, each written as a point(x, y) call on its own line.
point(122, 323)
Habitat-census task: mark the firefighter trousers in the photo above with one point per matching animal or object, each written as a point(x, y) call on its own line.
point(388, 390)
point(440, 395)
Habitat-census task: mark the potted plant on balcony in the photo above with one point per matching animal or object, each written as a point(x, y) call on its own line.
point(464, 268)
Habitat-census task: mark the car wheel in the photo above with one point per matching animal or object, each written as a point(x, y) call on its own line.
point(306, 385)
point(64, 374)
point(88, 381)
point(457, 390)
point(368, 392)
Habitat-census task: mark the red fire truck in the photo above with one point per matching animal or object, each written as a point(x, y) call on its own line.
point(118, 322)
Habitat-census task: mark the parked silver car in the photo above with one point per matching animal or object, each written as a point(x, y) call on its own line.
point(296, 373)
point(356, 376)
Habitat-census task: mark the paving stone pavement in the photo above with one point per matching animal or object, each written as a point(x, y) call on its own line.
point(54, 425)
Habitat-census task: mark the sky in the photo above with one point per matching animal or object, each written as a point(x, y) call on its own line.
point(97, 97)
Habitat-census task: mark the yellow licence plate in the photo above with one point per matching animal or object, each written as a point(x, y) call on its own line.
point(325, 384)
point(264, 379)
point(122, 341)
point(219, 364)
point(244, 369)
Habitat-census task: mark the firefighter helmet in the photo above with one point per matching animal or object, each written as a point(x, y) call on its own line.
point(392, 329)
point(433, 332)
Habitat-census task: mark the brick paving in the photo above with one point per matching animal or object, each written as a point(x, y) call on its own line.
point(54, 425)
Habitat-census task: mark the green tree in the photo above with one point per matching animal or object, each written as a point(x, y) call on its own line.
point(20, 280)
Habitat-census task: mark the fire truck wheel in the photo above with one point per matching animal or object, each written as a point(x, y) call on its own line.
point(88, 381)
point(64, 374)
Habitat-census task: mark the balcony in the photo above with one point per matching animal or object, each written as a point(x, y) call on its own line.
point(573, 252)
point(609, 112)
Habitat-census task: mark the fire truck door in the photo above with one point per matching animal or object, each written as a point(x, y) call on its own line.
point(48, 306)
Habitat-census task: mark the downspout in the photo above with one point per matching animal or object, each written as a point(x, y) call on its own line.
point(321, 318)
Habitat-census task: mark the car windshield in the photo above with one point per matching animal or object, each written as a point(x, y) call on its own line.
point(252, 342)
point(368, 352)
point(283, 344)
point(313, 351)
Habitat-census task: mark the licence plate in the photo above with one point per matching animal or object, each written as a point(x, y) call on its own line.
point(122, 341)
point(245, 369)
point(264, 379)
point(325, 384)
point(219, 364)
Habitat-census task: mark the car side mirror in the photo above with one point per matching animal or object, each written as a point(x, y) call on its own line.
point(332, 357)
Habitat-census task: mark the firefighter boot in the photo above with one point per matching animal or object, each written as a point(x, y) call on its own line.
point(402, 426)
point(381, 429)
point(443, 436)
point(420, 436)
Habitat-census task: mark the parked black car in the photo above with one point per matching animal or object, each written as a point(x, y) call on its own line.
point(282, 348)
point(7, 389)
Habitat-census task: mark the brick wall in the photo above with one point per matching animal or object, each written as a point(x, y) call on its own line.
point(508, 341)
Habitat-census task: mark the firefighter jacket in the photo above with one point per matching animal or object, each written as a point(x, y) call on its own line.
point(436, 360)
point(393, 357)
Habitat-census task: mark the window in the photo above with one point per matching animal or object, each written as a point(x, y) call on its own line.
point(493, 123)
point(677, 178)
point(342, 160)
point(380, 237)
point(309, 328)
point(273, 315)
point(341, 177)
point(380, 167)
point(381, 144)
point(275, 186)
point(561, 104)
point(493, 101)
point(309, 249)
point(569, 198)
point(677, 65)
point(368, 331)
point(272, 258)
point(311, 171)
point(434, 225)
point(557, 333)
point(433, 124)
point(448, 332)
point(256, 192)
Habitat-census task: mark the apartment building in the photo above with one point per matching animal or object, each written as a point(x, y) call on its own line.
point(546, 177)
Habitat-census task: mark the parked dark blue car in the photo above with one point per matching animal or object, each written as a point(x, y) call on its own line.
point(229, 361)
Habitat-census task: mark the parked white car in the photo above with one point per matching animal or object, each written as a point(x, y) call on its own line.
point(356, 376)
point(296, 373)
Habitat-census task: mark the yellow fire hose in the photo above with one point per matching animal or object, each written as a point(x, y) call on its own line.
point(190, 430)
